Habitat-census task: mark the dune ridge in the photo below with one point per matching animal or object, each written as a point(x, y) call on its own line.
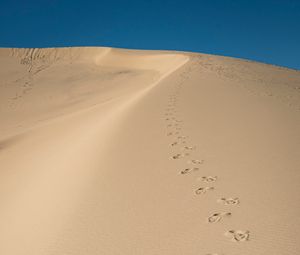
point(114, 151)
point(113, 65)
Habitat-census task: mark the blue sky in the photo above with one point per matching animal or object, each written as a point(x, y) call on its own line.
point(266, 30)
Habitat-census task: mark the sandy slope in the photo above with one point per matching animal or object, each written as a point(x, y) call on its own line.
point(110, 151)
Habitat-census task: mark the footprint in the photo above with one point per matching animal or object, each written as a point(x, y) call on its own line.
point(238, 235)
point(209, 178)
point(229, 201)
point(169, 133)
point(189, 148)
point(182, 137)
point(188, 170)
point(203, 190)
point(216, 217)
point(196, 161)
point(178, 155)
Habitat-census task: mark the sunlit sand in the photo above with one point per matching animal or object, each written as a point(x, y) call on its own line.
point(112, 151)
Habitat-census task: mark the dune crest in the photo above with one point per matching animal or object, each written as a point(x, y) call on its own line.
point(33, 79)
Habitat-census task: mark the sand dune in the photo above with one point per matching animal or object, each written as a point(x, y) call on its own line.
point(113, 151)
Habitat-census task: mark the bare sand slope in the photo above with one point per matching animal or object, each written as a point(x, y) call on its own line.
point(110, 151)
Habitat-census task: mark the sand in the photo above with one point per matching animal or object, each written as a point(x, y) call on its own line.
point(114, 151)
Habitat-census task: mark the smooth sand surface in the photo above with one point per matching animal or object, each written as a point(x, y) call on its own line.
point(111, 151)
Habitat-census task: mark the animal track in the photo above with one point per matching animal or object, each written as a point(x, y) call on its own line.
point(203, 190)
point(209, 178)
point(238, 235)
point(216, 217)
point(188, 170)
point(229, 201)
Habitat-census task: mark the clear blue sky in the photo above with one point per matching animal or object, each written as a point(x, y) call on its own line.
point(265, 30)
